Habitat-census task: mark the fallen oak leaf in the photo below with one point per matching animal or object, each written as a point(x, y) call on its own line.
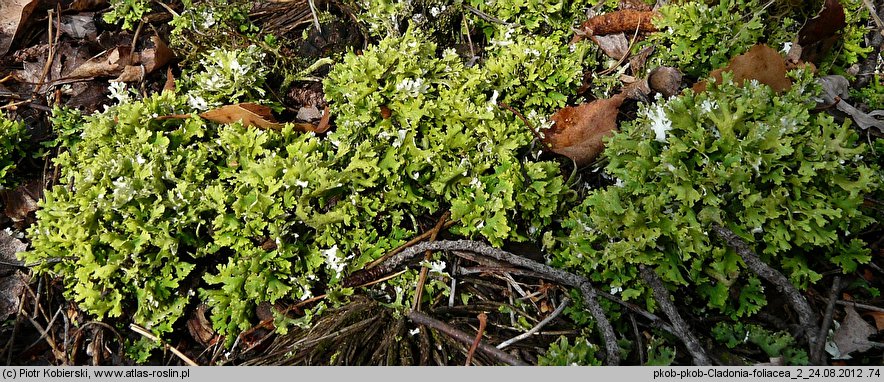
point(761, 63)
point(578, 131)
point(627, 20)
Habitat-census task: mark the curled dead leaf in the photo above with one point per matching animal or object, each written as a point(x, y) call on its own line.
point(252, 114)
point(578, 131)
point(761, 63)
point(13, 15)
point(836, 91)
point(853, 334)
point(109, 63)
point(615, 45)
point(820, 33)
point(21, 201)
point(249, 114)
point(200, 328)
point(628, 20)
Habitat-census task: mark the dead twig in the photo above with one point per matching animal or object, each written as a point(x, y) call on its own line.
point(806, 316)
point(485, 16)
point(682, 330)
point(534, 131)
point(860, 306)
point(655, 320)
point(483, 320)
point(869, 66)
point(537, 327)
point(411, 242)
point(147, 334)
point(422, 278)
point(817, 352)
point(589, 293)
point(464, 338)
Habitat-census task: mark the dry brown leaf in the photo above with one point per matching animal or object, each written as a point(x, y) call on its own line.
point(200, 328)
point(617, 22)
point(13, 14)
point(820, 33)
point(853, 334)
point(761, 63)
point(156, 56)
point(637, 61)
point(86, 5)
point(578, 131)
point(250, 114)
point(12, 283)
point(79, 26)
point(109, 63)
point(21, 201)
point(170, 80)
point(836, 90)
point(878, 317)
point(614, 45)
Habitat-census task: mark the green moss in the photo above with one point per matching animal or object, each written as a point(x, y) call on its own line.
point(788, 181)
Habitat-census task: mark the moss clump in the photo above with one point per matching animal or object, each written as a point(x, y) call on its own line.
point(761, 164)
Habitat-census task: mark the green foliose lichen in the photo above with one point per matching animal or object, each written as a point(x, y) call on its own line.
point(12, 134)
point(155, 211)
point(789, 181)
point(697, 37)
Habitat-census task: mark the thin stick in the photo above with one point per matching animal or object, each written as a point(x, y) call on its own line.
point(11, 342)
point(144, 332)
point(537, 327)
point(816, 353)
point(536, 133)
point(875, 16)
point(483, 320)
point(661, 295)
point(806, 316)
point(52, 46)
point(411, 242)
point(422, 279)
point(464, 338)
point(485, 16)
point(44, 334)
point(861, 306)
point(612, 350)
